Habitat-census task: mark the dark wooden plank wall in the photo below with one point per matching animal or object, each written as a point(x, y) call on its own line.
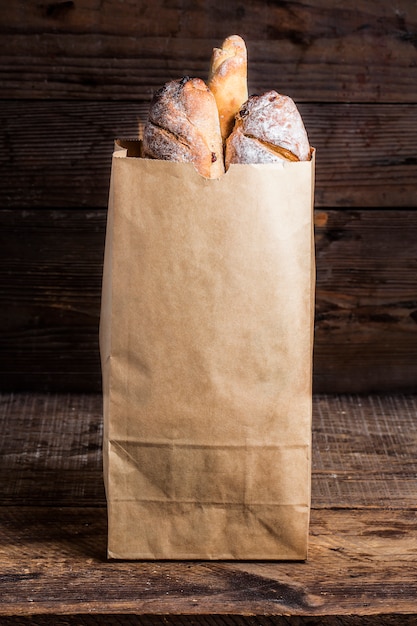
point(76, 74)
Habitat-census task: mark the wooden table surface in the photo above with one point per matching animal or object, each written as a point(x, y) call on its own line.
point(363, 542)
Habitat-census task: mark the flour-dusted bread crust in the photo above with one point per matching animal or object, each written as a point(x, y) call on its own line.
point(268, 128)
point(183, 125)
point(228, 80)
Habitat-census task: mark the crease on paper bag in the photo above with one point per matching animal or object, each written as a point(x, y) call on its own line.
point(167, 477)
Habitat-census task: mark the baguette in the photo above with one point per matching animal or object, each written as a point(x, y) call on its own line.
point(228, 80)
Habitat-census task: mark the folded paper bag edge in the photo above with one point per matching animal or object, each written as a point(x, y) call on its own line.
point(133, 149)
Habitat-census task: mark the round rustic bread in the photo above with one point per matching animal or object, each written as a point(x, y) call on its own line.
point(183, 125)
point(268, 128)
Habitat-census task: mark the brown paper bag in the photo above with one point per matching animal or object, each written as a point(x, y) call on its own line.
point(206, 345)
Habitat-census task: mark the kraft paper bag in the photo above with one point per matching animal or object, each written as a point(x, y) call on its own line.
point(206, 343)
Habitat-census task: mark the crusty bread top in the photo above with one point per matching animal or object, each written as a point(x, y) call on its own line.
point(183, 125)
point(243, 149)
point(274, 122)
point(228, 80)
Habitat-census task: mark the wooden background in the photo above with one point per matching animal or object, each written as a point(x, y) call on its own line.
point(75, 74)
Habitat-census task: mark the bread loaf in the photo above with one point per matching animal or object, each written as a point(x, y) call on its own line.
point(183, 125)
point(268, 129)
point(228, 80)
point(215, 125)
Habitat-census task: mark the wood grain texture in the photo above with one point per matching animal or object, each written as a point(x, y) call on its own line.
point(366, 300)
point(208, 620)
point(59, 154)
point(53, 561)
point(363, 451)
point(366, 305)
point(362, 560)
point(50, 292)
point(358, 53)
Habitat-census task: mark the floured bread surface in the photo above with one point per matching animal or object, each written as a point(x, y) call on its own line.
point(243, 149)
point(228, 80)
point(184, 126)
point(268, 128)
